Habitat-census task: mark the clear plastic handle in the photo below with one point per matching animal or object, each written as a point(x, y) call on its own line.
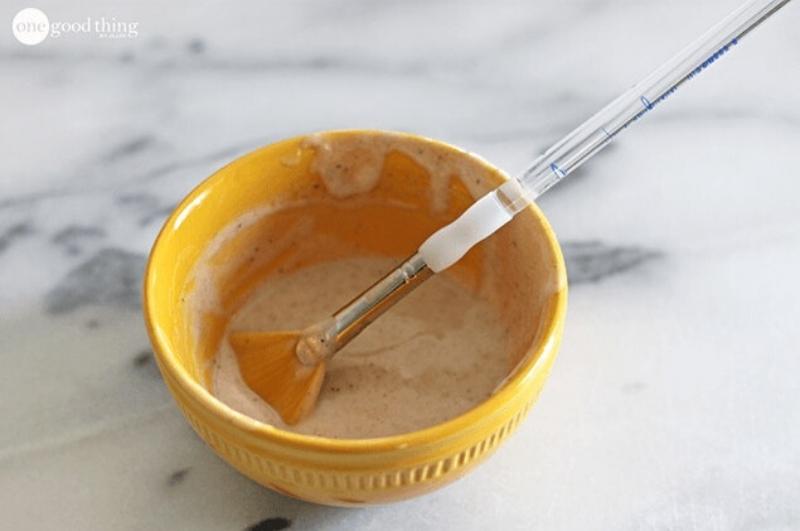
point(596, 132)
point(449, 244)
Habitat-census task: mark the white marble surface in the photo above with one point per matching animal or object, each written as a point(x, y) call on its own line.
point(675, 401)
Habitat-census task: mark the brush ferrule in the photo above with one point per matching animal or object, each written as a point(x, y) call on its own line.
point(322, 341)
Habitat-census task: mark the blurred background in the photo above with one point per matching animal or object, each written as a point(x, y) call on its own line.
point(674, 403)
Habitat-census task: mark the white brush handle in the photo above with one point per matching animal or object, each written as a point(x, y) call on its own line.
point(446, 246)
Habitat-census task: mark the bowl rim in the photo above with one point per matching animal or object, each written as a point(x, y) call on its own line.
point(535, 360)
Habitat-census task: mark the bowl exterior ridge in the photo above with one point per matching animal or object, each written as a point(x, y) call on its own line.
point(345, 485)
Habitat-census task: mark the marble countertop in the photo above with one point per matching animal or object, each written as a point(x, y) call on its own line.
point(674, 403)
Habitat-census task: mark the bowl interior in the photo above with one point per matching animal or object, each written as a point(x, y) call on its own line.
point(236, 229)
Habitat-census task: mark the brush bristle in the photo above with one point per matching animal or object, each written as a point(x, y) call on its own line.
point(271, 369)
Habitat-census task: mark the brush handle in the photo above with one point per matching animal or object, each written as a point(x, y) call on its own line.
point(322, 341)
point(566, 155)
point(492, 211)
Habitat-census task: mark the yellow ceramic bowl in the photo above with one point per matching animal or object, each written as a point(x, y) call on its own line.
point(351, 471)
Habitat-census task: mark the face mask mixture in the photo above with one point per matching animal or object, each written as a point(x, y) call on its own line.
point(432, 357)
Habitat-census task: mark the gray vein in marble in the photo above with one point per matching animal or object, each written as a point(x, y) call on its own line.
point(356, 10)
point(137, 199)
point(28, 199)
point(111, 277)
point(271, 524)
point(143, 361)
point(593, 261)
point(152, 174)
point(148, 205)
point(157, 215)
point(190, 162)
point(196, 61)
point(132, 146)
point(178, 477)
point(14, 233)
point(196, 45)
point(72, 237)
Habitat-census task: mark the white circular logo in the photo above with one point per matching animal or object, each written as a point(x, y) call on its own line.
point(30, 26)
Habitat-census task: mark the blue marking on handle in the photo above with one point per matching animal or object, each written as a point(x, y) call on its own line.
point(648, 105)
point(712, 58)
point(558, 171)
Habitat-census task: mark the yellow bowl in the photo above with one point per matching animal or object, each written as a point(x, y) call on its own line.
point(349, 472)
